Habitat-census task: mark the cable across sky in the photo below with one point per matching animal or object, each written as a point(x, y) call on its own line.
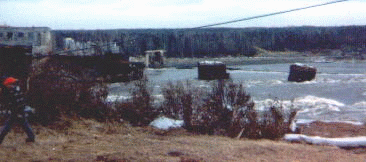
point(270, 14)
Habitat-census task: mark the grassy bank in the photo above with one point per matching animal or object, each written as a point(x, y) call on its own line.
point(88, 140)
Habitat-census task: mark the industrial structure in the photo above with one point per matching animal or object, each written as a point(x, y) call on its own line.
point(20, 45)
point(212, 70)
point(39, 39)
point(154, 58)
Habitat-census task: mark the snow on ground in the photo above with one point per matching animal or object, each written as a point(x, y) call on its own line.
point(165, 123)
point(340, 142)
point(309, 121)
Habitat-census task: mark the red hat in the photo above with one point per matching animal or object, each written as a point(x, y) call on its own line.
point(9, 81)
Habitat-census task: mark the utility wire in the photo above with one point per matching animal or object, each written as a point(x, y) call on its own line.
point(271, 14)
point(233, 21)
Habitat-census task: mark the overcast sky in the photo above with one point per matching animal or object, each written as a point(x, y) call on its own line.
point(128, 14)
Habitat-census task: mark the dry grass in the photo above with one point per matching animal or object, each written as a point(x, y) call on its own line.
point(333, 129)
point(88, 140)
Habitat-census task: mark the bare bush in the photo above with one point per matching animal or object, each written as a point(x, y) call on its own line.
point(56, 89)
point(139, 111)
point(173, 100)
point(228, 110)
point(178, 102)
point(275, 122)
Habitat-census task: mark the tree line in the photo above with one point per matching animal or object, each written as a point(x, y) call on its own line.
point(213, 42)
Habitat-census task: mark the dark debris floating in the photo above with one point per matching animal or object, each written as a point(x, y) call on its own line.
point(301, 73)
point(211, 70)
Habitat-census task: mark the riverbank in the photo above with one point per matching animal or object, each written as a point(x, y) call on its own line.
point(332, 129)
point(260, 60)
point(232, 61)
point(87, 140)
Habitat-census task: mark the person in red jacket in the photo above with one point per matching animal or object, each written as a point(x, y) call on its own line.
point(13, 99)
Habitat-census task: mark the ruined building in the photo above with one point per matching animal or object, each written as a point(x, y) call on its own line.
point(38, 38)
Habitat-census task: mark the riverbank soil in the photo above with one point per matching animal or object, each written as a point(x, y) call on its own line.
point(87, 140)
point(332, 129)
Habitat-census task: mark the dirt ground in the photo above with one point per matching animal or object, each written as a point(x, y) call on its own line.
point(333, 129)
point(87, 140)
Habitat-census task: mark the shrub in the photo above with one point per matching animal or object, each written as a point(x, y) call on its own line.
point(228, 110)
point(60, 90)
point(139, 111)
point(57, 90)
point(178, 102)
point(173, 95)
point(275, 121)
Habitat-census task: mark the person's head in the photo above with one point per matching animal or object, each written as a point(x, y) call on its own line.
point(9, 82)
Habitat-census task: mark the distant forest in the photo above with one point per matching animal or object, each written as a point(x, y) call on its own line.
point(222, 41)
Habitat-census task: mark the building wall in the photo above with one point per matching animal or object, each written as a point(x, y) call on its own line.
point(39, 38)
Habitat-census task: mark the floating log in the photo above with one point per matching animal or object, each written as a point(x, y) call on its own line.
point(211, 70)
point(301, 73)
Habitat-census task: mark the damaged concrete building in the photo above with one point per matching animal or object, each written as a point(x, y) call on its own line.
point(154, 58)
point(39, 38)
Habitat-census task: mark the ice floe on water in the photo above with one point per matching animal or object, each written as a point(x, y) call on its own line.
point(275, 82)
point(313, 101)
point(121, 98)
point(340, 142)
point(360, 104)
point(304, 104)
point(116, 98)
point(312, 108)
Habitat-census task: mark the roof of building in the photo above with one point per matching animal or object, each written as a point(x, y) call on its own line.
point(4, 27)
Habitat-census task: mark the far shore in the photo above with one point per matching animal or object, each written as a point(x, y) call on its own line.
point(232, 61)
point(259, 60)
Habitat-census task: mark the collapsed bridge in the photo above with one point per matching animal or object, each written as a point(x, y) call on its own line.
point(17, 61)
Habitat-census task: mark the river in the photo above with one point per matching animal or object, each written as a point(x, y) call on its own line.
point(338, 93)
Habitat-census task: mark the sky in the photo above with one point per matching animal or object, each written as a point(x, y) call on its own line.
point(131, 14)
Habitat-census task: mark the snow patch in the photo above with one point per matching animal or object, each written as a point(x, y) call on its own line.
point(340, 142)
point(299, 64)
point(210, 62)
point(309, 121)
point(165, 123)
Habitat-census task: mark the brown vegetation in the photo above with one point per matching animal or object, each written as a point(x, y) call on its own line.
point(224, 110)
point(61, 90)
point(139, 110)
point(89, 140)
point(58, 89)
point(65, 98)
